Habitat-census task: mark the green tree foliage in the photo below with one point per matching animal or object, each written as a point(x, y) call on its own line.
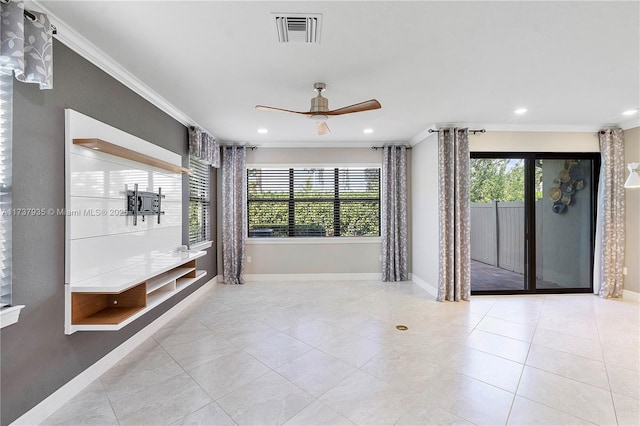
point(496, 179)
point(357, 218)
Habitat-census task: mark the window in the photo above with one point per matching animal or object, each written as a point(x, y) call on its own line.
point(6, 104)
point(199, 202)
point(313, 202)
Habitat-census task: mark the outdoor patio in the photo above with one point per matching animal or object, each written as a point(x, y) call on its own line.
point(491, 278)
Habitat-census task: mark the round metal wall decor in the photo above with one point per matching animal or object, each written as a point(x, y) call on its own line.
point(570, 180)
point(402, 327)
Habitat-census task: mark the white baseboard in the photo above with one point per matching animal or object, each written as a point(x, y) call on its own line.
point(56, 400)
point(630, 295)
point(314, 277)
point(431, 289)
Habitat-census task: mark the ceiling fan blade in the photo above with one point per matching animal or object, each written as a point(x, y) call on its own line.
point(268, 108)
point(323, 129)
point(362, 106)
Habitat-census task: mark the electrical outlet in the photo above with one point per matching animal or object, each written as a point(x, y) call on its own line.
point(248, 259)
point(624, 271)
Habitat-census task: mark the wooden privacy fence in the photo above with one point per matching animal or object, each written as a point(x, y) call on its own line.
point(497, 234)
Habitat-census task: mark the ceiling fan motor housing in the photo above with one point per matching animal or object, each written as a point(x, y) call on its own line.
point(319, 104)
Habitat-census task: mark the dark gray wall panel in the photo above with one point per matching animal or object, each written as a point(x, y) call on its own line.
point(37, 357)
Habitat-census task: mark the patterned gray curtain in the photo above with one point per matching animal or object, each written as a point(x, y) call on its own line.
point(26, 44)
point(453, 210)
point(234, 213)
point(608, 261)
point(204, 147)
point(394, 214)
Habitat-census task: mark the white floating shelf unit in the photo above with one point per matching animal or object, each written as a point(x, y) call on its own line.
point(113, 300)
point(119, 266)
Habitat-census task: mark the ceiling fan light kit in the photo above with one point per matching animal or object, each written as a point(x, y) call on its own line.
point(320, 111)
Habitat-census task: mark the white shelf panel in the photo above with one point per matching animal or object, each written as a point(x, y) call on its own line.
point(157, 298)
point(98, 256)
point(159, 281)
point(165, 288)
point(182, 283)
point(96, 177)
point(125, 278)
point(99, 217)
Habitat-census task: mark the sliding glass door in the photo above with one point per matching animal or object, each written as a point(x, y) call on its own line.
point(565, 219)
point(532, 222)
point(497, 188)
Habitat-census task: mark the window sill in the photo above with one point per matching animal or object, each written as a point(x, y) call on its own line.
point(201, 245)
point(10, 315)
point(315, 240)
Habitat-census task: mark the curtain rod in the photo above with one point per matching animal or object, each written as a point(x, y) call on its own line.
point(251, 147)
point(33, 18)
point(474, 131)
point(375, 148)
point(603, 131)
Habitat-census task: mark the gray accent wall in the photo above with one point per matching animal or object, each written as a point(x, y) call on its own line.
point(37, 357)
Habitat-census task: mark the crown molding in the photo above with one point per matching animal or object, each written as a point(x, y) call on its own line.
point(555, 128)
point(316, 144)
point(423, 135)
point(630, 124)
point(76, 42)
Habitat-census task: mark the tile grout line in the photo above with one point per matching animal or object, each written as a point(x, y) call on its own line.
point(606, 368)
point(524, 363)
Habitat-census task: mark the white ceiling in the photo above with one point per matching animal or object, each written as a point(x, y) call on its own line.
point(574, 65)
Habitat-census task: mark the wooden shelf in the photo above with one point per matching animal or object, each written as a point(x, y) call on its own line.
point(111, 316)
point(107, 308)
point(119, 151)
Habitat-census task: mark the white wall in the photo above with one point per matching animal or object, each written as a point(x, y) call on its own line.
point(424, 211)
point(632, 252)
point(309, 255)
point(534, 142)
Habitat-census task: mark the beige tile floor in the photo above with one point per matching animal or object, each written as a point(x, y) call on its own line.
point(309, 353)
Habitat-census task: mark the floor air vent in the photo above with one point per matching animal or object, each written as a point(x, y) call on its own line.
point(298, 28)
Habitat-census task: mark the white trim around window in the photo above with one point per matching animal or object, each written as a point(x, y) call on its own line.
point(314, 240)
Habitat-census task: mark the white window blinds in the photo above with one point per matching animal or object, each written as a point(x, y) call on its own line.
point(314, 202)
point(6, 106)
point(199, 202)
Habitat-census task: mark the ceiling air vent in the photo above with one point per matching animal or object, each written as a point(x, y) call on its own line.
point(298, 28)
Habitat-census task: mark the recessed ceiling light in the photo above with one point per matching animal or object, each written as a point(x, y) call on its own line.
point(520, 111)
point(630, 112)
point(367, 131)
point(263, 131)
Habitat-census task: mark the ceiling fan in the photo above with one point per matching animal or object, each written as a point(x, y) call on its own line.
point(320, 111)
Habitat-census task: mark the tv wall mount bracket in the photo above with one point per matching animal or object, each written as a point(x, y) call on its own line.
point(143, 203)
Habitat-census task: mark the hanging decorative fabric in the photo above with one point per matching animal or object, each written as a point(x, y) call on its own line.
point(26, 44)
point(608, 261)
point(234, 213)
point(454, 215)
point(395, 259)
point(204, 147)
